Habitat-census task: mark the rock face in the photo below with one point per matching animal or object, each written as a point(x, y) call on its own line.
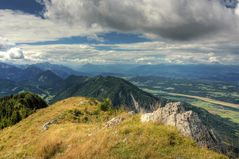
point(187, 122)
point(115, 121)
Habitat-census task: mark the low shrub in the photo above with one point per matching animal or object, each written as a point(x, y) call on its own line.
point(106, 105)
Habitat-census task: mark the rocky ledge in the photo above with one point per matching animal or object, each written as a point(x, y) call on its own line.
point(187, 122)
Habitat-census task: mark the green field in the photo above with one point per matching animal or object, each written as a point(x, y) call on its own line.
point(216, 97)
point(219, 91)
point(223, 111)
point(231, 113)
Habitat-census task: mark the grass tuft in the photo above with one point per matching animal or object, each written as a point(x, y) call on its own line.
point(50, 149)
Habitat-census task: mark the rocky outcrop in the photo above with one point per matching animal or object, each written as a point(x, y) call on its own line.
point(187, 122)
point(115, 121)
point(47, 124)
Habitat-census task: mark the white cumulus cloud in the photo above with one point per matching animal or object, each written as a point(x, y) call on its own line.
point(9, 51)
point(15, 53)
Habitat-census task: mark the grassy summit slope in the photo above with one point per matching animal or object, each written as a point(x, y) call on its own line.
point(80, 132)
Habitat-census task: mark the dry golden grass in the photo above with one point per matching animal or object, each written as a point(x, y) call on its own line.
point(50, 148)
point(90, 139)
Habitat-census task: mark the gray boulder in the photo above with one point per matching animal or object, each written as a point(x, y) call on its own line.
point(187, 122)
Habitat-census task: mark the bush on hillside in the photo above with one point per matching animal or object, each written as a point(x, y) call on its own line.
point(106, 105)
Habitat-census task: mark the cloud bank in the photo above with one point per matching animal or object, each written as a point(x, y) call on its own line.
point(5, 44)
point(172, 19)
point(140, 53)
point(182, 31)
point(19, 27)
point(9, 51)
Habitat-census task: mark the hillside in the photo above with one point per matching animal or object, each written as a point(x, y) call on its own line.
point(29, 73)
point(120, 91)
point(9, 71)
point(15, 108)
point(77, 129)
point(48, 80)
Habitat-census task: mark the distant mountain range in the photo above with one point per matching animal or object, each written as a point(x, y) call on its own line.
point(59, 70)
point(49, 80)
point(22, 72)
point(43, 80)
point(224, 73)
point(53, 88)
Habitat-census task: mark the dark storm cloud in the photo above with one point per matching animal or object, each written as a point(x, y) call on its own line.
point(173, 19)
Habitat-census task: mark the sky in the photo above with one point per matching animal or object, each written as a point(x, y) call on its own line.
point(75, 32)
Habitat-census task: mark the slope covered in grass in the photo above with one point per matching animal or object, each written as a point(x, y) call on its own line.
point(79, 131)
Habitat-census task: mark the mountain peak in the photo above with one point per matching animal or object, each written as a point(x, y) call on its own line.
point(120, 91)
point(48, 75)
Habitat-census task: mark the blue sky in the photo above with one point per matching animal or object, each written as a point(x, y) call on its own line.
point(27, 6)
point(110, 31)
point(107, 38)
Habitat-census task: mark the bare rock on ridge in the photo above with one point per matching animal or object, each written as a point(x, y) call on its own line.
point(187, 122)
point(115, 121)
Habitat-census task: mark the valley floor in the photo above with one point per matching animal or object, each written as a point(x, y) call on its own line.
point(207, 100)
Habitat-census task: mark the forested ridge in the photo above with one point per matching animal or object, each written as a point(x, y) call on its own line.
point(14, 108)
